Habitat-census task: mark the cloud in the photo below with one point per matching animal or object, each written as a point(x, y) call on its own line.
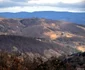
point(1, 0)
point(38, 8)
point(11, 3)
point(19, 0)
point(42, 5)
point(54, 1)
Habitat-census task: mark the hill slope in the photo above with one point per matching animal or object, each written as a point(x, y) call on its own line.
point(32, 46)
point(56, 34)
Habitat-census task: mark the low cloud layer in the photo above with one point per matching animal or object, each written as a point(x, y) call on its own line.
point(42, 5)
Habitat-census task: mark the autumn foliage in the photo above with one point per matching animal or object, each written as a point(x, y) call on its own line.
point(13, 61)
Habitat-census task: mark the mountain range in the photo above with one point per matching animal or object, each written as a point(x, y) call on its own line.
point(78, 18)
point(41, 36)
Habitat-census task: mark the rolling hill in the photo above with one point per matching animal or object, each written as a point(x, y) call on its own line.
point(41, 36)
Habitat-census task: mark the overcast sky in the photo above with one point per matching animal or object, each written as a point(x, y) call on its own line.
point(42, 5)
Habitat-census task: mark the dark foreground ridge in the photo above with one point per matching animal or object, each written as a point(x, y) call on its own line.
point(13, 61)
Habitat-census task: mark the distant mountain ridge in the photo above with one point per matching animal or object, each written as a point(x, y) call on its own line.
point(66, 16)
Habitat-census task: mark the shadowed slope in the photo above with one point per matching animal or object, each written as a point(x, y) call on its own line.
point(32, 45)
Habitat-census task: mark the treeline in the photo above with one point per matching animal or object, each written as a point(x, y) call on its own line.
point(15, 61)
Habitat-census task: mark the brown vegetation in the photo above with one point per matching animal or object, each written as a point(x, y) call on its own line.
point(13, 61)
